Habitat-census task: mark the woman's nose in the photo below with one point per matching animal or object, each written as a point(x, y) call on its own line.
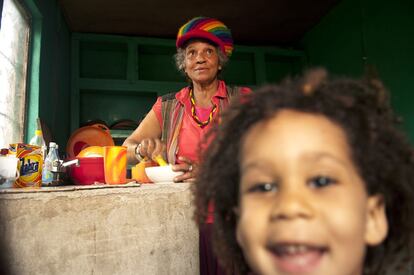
point(200, 58)
point(292, 204)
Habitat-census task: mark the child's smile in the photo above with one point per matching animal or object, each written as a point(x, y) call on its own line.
point(296, 257)
point(303, 207)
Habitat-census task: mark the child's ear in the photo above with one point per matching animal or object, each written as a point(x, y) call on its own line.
point(377, 225)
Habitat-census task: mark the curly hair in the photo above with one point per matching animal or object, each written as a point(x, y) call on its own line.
point(381, 153)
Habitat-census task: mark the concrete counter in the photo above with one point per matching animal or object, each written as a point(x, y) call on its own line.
point(87, 230)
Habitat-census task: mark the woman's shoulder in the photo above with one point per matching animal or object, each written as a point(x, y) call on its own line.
point(180, 95)
point(169, 96)
point(236, 90)
point(167, 103)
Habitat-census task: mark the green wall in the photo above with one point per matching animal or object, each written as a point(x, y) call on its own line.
point(119, 77)
point(53, 100)
point(378, 33)
point(353, 34)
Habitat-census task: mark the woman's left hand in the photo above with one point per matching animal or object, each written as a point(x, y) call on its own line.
point(189, 168)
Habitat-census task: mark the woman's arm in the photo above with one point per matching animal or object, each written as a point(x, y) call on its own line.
point(148, 133)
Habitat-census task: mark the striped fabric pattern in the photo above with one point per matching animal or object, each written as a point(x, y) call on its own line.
point(207, 28)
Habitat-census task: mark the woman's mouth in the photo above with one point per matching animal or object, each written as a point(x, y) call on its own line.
point(297, 258)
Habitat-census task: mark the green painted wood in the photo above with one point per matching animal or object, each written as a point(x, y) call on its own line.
point(240, 69)
point(120, 38)
point(156, 63)
point(335, 42)
point(121, 76)
point(74, 99)
point(357, 35)
point(132, 69)
point(159, 87)
point(280, 67)
point(33, 75)
point(49, 84)
point(268, 49)
point(103, 59)
point(118, 105)
point(120, 133)
point(260, 67)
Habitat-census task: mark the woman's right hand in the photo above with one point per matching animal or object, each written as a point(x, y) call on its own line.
point(151, 148)
point(148, 134)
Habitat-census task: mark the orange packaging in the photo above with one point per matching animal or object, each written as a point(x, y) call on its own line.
point(115, 164)
point(30, 164)
point(138, 171)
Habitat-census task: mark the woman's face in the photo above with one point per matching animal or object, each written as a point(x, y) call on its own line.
point(201, 62)
point(303, 208)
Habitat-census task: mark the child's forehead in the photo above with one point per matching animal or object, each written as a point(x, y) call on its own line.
point(294, 118)
point(295, 133)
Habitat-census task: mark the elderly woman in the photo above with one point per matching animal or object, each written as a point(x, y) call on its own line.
point(178, 121)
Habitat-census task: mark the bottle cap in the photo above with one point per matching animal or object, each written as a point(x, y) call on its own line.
point(52, 144)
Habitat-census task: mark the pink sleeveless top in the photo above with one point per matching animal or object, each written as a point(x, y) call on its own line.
point(190, 137)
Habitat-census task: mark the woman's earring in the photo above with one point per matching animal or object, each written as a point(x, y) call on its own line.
point(219, 68)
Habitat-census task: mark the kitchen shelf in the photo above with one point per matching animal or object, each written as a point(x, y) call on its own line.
point(120, 77)
point(121, 133)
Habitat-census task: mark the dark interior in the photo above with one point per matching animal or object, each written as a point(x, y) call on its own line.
point(265, 22)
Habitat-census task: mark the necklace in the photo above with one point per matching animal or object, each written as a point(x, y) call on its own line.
point(200, 123)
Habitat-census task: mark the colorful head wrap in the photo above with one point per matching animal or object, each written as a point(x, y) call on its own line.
point(206, 28)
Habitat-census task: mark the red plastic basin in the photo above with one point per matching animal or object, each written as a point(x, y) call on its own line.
point(88, 171)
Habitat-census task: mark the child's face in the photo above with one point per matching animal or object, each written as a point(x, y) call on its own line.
point(303, 208)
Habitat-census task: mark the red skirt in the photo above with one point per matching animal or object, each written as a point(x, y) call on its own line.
point(209, 264)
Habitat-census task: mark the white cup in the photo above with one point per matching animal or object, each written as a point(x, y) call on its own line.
point(8, 171)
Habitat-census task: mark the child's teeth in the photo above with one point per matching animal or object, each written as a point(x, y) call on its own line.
point(302, 248)
point(293, 249)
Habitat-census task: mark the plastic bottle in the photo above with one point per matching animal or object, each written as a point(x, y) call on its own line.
point(37, 139)
point(51, 159)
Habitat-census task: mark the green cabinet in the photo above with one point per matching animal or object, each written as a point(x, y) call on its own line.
point(119, 77)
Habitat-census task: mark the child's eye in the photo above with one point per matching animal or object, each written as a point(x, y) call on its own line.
point(263, 187)
point(321, 181)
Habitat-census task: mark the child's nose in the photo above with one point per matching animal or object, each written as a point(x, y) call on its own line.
point(292, 204)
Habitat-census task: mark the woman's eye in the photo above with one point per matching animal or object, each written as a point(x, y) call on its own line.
point(321, 181)
point(262, 188)
point(209, 51)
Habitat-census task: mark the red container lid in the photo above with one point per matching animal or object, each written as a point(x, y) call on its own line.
point(95, 135)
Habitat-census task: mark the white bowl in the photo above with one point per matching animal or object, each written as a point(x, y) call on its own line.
point(161, 174)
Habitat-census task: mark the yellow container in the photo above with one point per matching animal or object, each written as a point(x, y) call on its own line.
point(115, 164)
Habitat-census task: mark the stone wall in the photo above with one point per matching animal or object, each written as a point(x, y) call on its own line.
point(100, 230)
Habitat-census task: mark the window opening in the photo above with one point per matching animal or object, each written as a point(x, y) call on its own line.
point(14, 45)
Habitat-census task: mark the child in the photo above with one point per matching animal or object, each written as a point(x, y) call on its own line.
point(310, 177)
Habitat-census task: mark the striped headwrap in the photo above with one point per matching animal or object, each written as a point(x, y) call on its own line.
point(206, 28)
